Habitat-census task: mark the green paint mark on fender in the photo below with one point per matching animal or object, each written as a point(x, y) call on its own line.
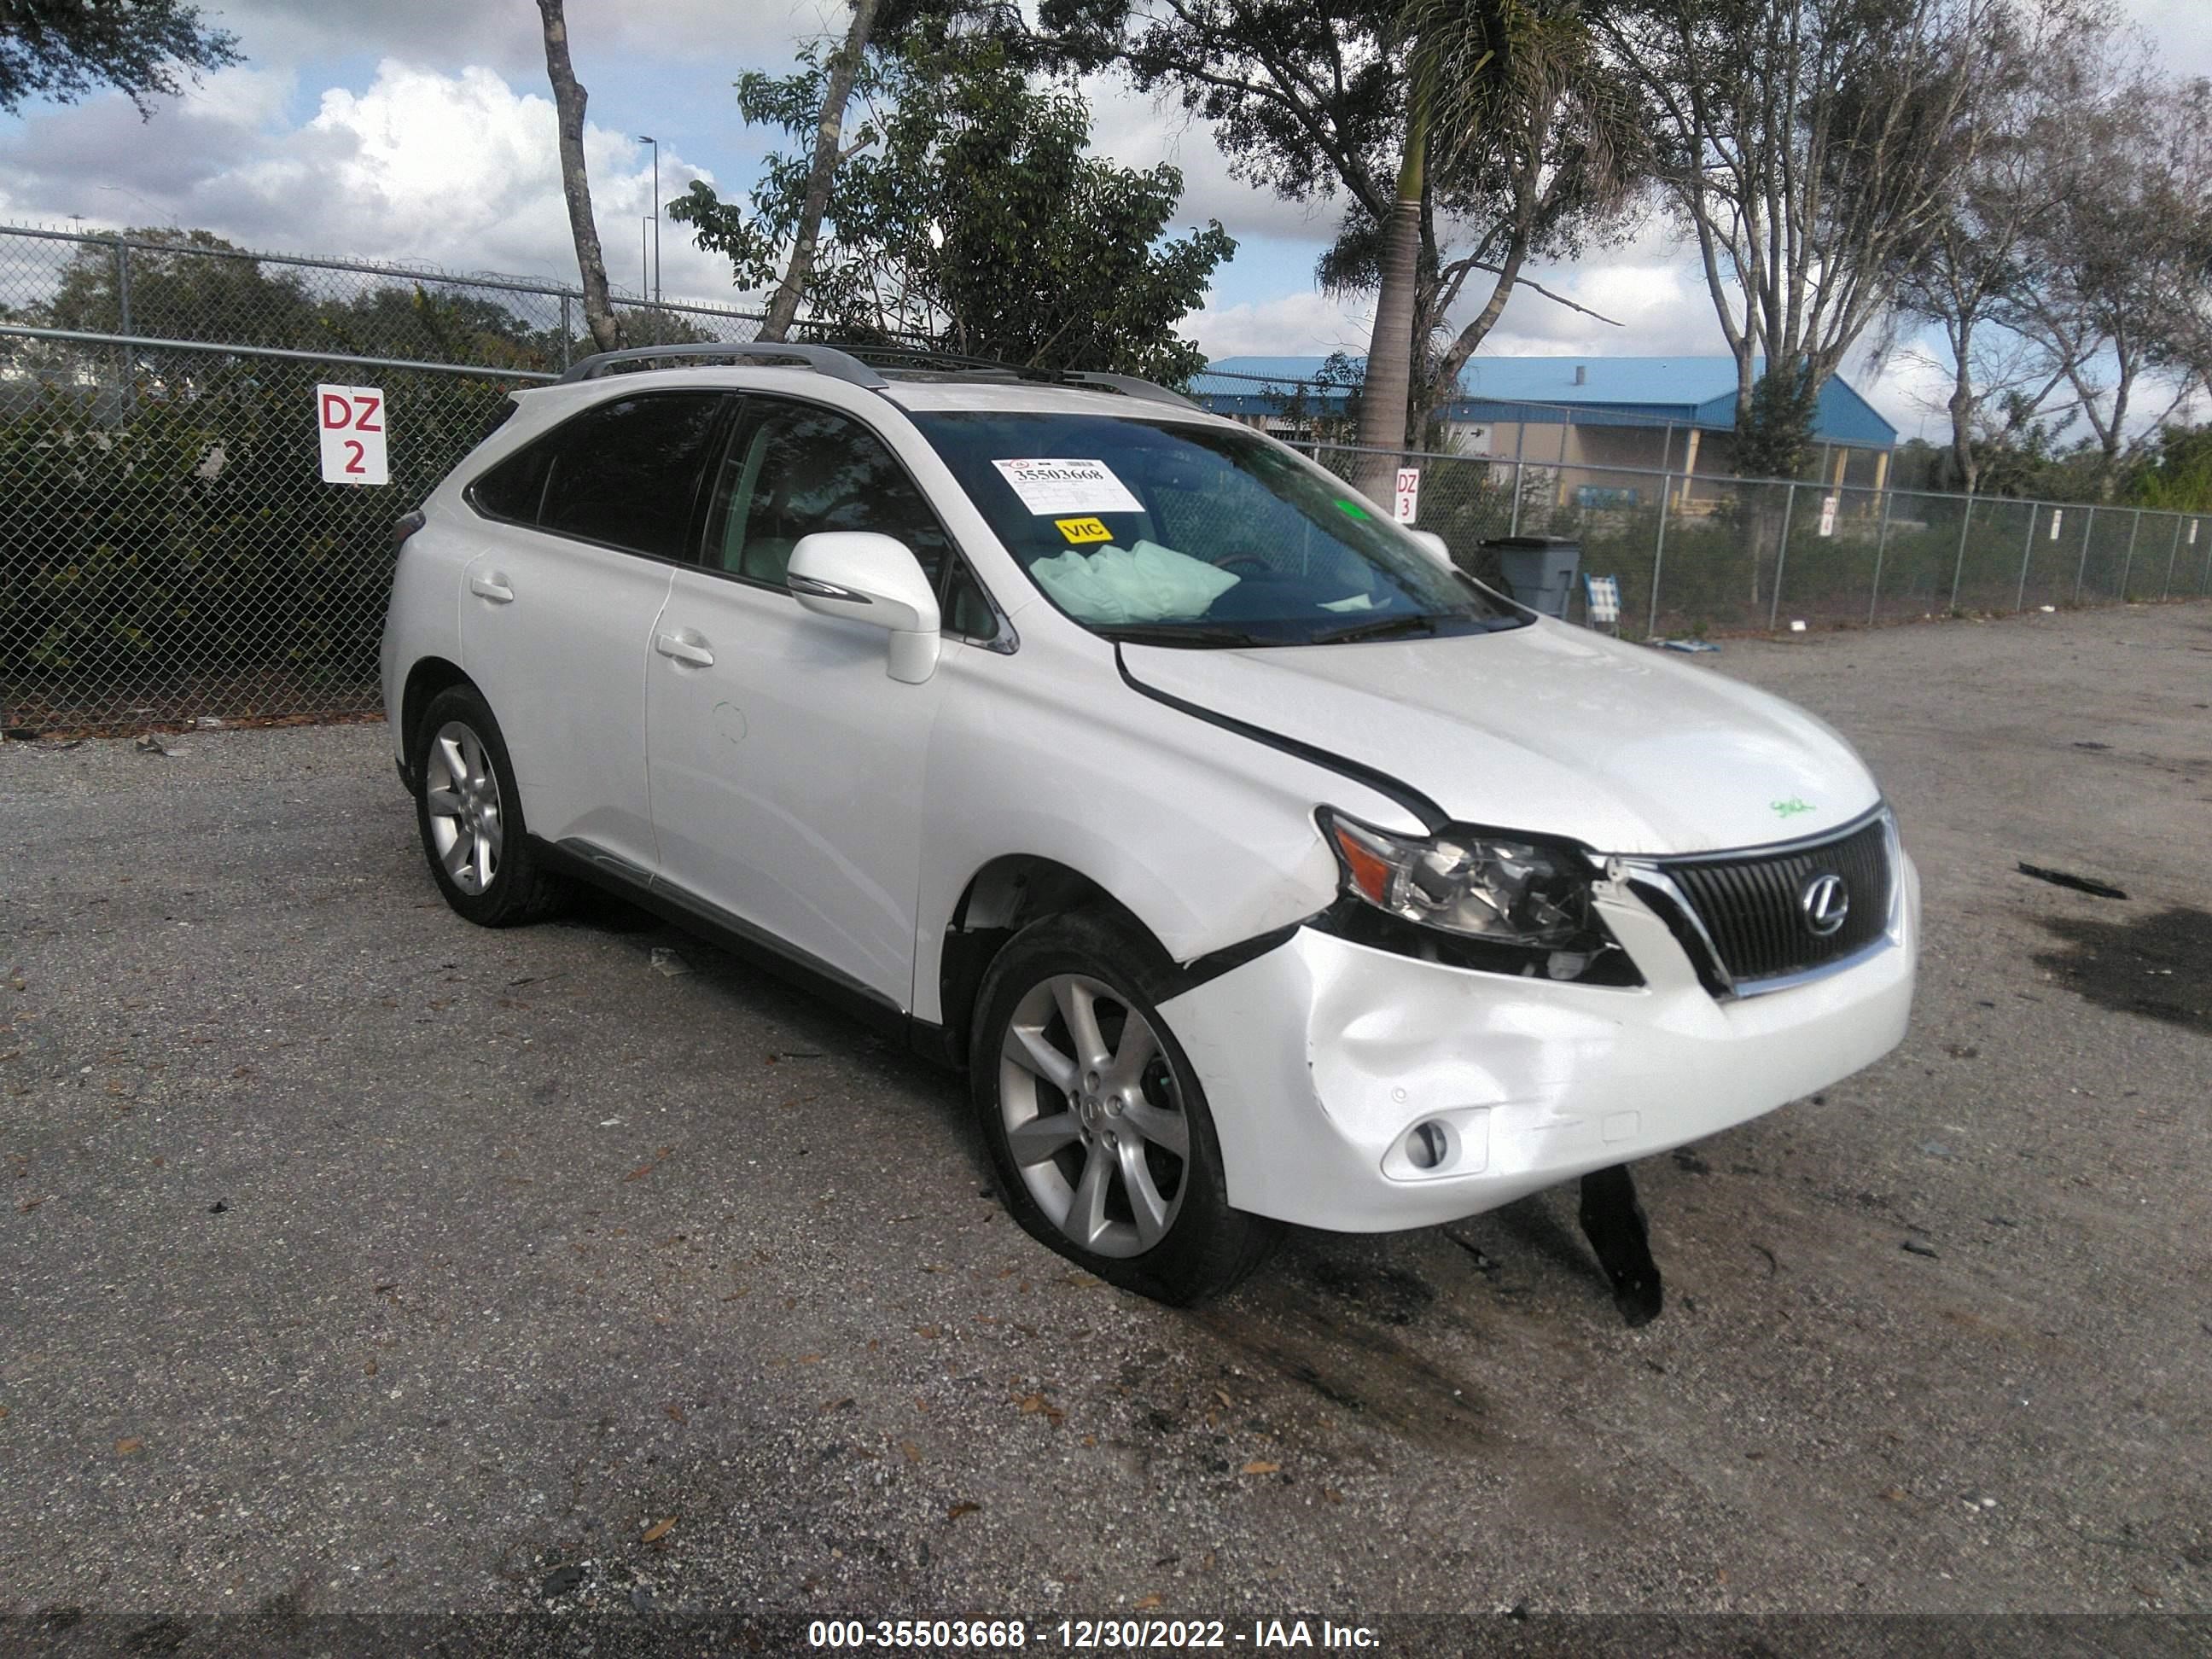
point(1791, 808)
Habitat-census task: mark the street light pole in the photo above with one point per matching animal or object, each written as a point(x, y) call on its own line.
point(647, 138)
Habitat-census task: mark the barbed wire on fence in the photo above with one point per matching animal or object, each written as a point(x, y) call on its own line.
point(190, 285)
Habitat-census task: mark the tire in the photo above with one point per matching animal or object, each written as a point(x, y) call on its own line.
point(457, 737)
point(1115, 1165)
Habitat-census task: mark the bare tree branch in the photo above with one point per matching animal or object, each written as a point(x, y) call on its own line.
point(568, 101)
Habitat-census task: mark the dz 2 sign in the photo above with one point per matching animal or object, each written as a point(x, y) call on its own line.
point(351, 418)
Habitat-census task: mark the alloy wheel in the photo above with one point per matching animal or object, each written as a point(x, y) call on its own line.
point(460, 792)
point(1094, 1116)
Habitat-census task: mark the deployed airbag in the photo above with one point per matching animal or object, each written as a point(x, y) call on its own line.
point(1145, 583)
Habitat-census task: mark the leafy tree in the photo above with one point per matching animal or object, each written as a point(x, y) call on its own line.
point(969, 218)
point(2049, 59)
point(414, 322)
point(2175, 472)
point(144, 49)
point(186, 285)
point(2109, 272)
point(1809, 146)
point(1310, 99)
point(838, 76)
point(194, 285)
point(1774, 442)
point(1504, 98)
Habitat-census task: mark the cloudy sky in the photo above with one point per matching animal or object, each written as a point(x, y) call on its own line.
point(422, 129)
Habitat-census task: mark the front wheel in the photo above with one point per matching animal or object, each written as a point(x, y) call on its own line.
point(1098, 1127)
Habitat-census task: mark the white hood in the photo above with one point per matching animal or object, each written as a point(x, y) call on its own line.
point(1545, 728)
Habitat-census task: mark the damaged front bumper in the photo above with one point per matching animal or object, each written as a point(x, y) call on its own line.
point(1362, 1091)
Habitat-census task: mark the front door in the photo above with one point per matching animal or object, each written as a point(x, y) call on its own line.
point(787, 763)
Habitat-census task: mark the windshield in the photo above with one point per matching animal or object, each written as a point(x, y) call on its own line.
point(1173, 534)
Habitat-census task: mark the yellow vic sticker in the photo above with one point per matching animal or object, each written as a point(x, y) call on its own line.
point(1080, 531)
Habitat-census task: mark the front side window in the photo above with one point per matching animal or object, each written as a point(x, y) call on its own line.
point(793, 469)
point(625, 472)
point(1178, 533)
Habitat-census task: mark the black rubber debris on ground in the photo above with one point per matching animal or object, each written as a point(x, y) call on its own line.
point(1613, 1222)
point(2079, 884)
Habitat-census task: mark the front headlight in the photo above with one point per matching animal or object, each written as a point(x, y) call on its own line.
point(1531, 899)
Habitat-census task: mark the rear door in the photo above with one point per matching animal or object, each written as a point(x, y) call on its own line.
point(581, 533)
point(787, 763)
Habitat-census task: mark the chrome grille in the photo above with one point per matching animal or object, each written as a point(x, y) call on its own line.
point(1751, 907)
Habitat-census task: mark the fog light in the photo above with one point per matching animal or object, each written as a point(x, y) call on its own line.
point(1427, 1144)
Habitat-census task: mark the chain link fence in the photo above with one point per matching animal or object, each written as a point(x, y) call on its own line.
point(171, 552)
point(1698, 553)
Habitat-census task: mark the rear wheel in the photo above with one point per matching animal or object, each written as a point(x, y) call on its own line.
point(1098, 1127)
point(470, 814)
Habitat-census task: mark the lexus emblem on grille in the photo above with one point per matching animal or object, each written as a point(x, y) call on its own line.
point(1825, 902)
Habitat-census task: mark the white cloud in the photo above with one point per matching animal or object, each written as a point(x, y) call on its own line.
point(458, 170)
point(1660, 310)
point(1140, 131)
point(1910, 386)
point(1296, 325)
point(507, 36)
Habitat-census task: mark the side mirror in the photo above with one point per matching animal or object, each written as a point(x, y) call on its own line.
point(865, 577)
point(1435, 544)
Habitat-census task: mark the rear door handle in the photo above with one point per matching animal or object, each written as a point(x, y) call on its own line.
point(686, 647)
point(493, 587)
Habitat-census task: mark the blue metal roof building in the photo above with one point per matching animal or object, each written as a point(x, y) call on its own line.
point(1621, 415)
point(1644, 391)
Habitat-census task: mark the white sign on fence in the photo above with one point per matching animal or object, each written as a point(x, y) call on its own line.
point(2057, 513)
point(351, 419)
point(1409, 494)
point(1827, 515)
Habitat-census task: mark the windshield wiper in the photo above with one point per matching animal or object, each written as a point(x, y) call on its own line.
point(1140, 634)
point(1386, 627)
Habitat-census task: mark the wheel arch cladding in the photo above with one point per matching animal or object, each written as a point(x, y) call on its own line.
point(425, 680)
point(1006, 895)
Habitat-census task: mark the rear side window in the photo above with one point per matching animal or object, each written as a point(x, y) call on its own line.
point(624, 472)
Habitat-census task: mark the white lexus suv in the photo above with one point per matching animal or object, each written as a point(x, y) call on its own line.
point(1256, 865)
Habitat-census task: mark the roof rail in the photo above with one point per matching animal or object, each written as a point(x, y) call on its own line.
point(1132, 386)
point(849, 365)
point(823, 359)
point(895, 357)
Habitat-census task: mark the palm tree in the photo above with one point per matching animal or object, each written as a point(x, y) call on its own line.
point(1509, 88)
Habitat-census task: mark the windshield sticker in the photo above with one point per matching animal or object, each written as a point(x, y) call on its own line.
point(1351, 509)
point(1051, 488)
point(1080, 531)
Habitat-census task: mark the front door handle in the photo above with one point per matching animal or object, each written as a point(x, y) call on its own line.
point(684, 647)
point(493, 587)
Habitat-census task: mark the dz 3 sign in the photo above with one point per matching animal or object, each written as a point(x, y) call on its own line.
point(351, 419)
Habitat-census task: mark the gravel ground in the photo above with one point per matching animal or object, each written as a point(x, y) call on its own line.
point(355, 1260)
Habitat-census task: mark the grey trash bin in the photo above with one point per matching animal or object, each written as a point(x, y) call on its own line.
point(1540, 569)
